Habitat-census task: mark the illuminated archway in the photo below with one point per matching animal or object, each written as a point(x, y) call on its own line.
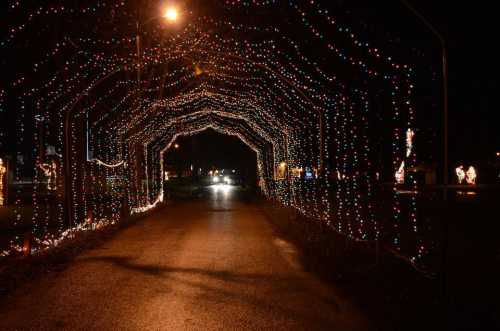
point(329, 102)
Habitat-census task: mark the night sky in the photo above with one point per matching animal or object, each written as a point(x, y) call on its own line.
point(470, 32)
point(210, 149)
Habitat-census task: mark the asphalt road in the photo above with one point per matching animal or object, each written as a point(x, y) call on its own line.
point(212, 264)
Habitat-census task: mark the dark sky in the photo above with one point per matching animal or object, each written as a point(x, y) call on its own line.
point(212, 149)
point(471, 33)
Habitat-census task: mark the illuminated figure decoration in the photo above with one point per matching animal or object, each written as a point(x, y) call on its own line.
point(410, 135)
point(309, 174)
point(460, 174)
point(50, 172)
point(471, 176)
point(281, 173)
point(400, 174)
point(297, 172)
point(3, 186)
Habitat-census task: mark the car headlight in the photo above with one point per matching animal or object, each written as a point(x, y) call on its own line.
point(215, 179)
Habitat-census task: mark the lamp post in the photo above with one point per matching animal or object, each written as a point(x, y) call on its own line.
point(170, 15)
point(444, 54)
point(444, 244)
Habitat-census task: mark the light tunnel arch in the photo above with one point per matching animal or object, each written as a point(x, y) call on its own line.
point(220, 129)
point(87, 59)
point(223, 128)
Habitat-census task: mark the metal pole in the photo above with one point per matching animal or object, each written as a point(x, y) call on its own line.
point(444, 244)
point(445, 92)
point(445, 119)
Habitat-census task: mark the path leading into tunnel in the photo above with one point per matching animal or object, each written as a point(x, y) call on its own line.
point(210, 264)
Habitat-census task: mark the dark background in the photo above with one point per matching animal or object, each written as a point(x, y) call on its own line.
point(212, 150)
point(471, 35)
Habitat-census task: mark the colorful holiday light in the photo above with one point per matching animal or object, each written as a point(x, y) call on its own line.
point(259, 83)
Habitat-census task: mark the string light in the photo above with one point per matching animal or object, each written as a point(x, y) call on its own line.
point(3, 186)
point(315, 129)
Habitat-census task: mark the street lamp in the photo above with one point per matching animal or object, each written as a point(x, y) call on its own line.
point(171, 15)
point(444, 55)
point(444, 58)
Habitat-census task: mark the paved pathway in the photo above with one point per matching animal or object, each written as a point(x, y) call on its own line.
point(211, 264)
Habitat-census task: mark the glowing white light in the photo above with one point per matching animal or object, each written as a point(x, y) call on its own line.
point(108, 165)
point(50, 172)
point(222, 188)
point(460, 174)
point(150, 206)
point(400, 174)
point(215, 179)
point(171, 14)
point(471, 175)
point(410, 135)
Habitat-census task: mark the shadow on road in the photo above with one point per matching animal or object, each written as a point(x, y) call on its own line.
point(211, 283)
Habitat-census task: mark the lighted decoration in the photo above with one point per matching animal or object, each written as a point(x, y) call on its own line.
point(50, 172)
point(171, 14)
point(297, 172)
point(221, 71)
point(460, 174)
point(3, 183)
point(410, 135)
point(471, 175)
point(281, 171)
point(400, 174)
point(309, 174)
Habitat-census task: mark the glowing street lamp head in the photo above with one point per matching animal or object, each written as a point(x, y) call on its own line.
point(171, 14)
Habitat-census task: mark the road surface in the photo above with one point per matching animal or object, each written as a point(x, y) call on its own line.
point(211, 264)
